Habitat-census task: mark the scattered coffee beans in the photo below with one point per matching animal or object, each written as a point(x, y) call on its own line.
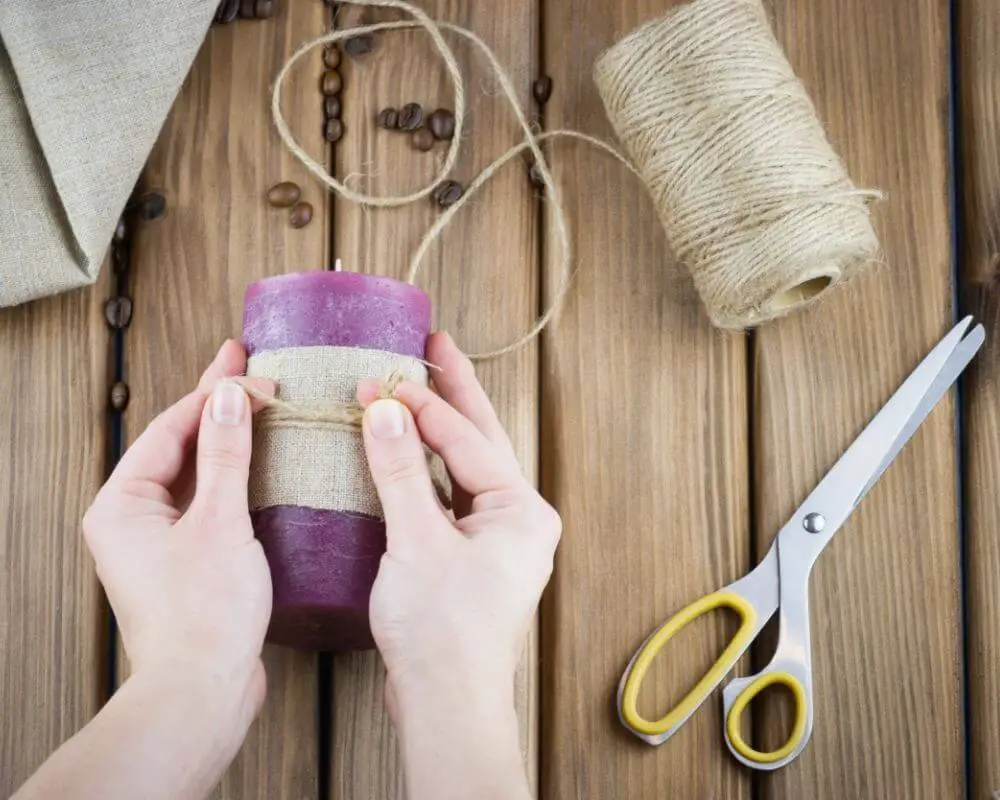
point(301, 215)
point(119, 396)
point(333, 130)
point(284, 194)
point(331, 82)
point(411, 117)
point(151, 206)
point(331, 57)
point(118, 312)
point(448, 193)
point(542, 90)
point(422, 139)
point(388, 118)
point(359, 45)
point(331, 107)
point(227, 11)
point(442, 124)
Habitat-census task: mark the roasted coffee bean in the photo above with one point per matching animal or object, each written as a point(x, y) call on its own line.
point(388, 118)
point(422, 139)
point(119, 234)
point(448, 193)
point(264, 9)
point(248, 9)
point(535, 176)
point(284, 194)
point(411, 117)
point(333, 130)
point(151, 206)
point(542, 90)
point(118, 312)
point(120, 258)
point(301, 215)
point(331, 82)
point(331, 107)
point(119, 396)
point(331, 57)
point(228, 11)
point(442, 124)
point(359, 45)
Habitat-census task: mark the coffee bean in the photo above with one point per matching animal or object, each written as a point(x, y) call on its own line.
point(151, 206)
point(228, 11)
point(359, 45)
point(411, 117)
point(119, 234)
point(442, 124)
point(448, 193)
point(301, 215)
point(535, 176)
point(119, 396)
point(333, 130)
point(542, 90)
point(388, 118)
point(119, 258)
point(331, 107)
point(331, 82)
point(264, 9)
point(422, 139)
point(247, 9)
point(331, 56)
point(118, 312)
point(284, 194)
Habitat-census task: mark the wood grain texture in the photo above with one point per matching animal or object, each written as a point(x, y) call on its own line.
point(214, 161)
point(886, 635)
point(979, 119)
point(644, 452)
point(482, 278)
point(55, 356)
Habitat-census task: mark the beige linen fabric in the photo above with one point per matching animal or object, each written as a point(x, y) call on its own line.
point(319, 467)
point(85, 86)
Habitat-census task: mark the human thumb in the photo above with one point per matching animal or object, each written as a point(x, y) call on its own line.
point(224, 443)
point(398, 466)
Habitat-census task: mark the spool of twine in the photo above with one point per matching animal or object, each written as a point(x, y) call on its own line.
point(753, 198)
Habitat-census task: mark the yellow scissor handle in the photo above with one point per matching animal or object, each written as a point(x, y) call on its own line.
point(723, 598)
point(755, 687)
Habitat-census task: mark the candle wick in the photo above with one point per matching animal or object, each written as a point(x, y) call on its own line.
point(337, 265)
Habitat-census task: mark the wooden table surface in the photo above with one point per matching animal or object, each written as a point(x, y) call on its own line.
point(673, 451)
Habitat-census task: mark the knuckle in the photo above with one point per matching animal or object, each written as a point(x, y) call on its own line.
point(404, 468)
point(549, 521)
point(219, 459)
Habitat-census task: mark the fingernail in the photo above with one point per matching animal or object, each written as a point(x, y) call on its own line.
point(386, 419)
point(229, 403)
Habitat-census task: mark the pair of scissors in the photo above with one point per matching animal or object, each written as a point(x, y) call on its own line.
point(780, 582)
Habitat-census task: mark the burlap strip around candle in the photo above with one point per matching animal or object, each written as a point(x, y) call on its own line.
point(307, 447)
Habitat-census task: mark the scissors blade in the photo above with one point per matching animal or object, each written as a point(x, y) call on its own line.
point(863, 463)
point(954, 367)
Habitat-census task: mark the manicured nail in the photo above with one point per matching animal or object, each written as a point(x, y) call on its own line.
point(386, 419)
point(229, 403)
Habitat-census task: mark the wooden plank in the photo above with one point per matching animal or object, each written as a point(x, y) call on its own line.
point(214, 161)
point(978, 70)
point(885, 596)
point(644, 439)
point(483, 280)
point(55, 359)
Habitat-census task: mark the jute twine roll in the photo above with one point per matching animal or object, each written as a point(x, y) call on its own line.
point(752, 196)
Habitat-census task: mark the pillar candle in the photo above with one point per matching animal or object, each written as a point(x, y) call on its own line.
point(323, 562)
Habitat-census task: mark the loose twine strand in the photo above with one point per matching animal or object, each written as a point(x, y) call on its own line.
point(531, 142)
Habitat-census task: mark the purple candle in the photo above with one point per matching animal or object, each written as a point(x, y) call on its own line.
point(323, 562)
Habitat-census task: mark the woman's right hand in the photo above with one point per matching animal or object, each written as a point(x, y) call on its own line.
point(454, 598)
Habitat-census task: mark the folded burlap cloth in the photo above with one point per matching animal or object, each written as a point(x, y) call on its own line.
point(85, 86)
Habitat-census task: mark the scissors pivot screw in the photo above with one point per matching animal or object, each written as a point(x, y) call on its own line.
point(814, 522)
